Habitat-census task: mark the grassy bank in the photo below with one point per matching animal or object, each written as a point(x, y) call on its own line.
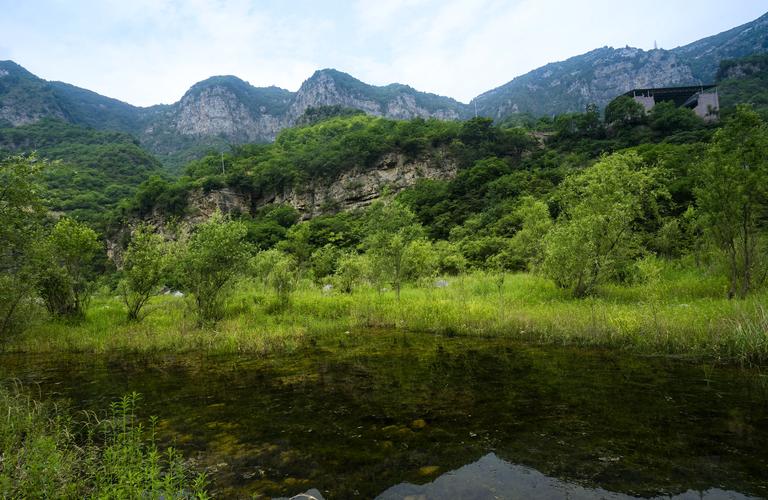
point(682, 313)
point(48, 452)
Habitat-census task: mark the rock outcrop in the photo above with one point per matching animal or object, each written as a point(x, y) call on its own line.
point(216, 111)
point(358, 188)
point(593, 78)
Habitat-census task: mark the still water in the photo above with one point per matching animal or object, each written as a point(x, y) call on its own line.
point(421, 416)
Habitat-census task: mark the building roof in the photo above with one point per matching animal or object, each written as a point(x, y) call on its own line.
point(679, 95)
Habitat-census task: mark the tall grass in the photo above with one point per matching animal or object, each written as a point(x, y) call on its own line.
point(681, 313)
point(46, 453)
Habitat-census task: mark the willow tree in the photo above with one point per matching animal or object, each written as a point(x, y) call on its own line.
point(212, 258)
point(732, 196)
point(21, 213)
point(595, 235)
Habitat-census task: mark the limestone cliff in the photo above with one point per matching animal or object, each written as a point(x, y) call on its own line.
point(331, 88)
point(359, 187)
point(593, 78)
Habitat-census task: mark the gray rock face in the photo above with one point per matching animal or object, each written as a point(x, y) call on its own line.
point(360, 187)
point(596, 77)
point(216, 111)
point(322, 90)
point(400, 102)
point(233, 111)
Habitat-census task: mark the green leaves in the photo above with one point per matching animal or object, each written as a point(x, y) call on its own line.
point(66, 281)
point(594, 237)
point(146, 265)
point(211, 258)
point(732, 196)
point(396, 245)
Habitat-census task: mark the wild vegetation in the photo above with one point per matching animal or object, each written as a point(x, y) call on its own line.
point(602, 231)
point(90, 170)
point(49, 453)
point(640, 231)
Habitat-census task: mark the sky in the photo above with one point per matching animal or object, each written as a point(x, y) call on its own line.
point(151, 51)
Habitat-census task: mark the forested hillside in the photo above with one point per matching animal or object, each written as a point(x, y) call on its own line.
point(89, 172)
point(744, 80)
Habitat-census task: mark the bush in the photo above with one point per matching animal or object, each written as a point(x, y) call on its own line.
point(351, 269)
point(67, 282)
point(145, 266)
point(210, 261)
point(278, 271)
point(594, 237)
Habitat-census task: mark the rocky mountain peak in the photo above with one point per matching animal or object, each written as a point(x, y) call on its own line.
point(25, 98)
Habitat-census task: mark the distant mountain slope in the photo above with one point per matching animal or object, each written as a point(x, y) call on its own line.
point(25, 98)
point(600, 75)
point(215, 112)
point(330, 87)
point(94, 171)
point(595, 77)
point(744, 81)
point(226, 110)
point(704, 56)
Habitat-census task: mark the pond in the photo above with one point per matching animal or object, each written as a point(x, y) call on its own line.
point(398, 415)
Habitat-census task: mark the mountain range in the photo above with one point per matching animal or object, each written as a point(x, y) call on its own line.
point(227, 110)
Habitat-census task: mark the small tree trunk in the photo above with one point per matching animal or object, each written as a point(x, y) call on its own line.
point(745, 284)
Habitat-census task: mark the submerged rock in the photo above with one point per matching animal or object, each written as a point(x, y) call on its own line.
point(419, 423)
point(310, 494)
point(428, 470)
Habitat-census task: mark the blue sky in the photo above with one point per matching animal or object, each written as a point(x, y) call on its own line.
point(151, 51)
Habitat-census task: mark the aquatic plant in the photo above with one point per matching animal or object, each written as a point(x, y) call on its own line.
point(47, 453)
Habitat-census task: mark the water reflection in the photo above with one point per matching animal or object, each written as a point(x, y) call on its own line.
point(353, 418)
point(493, 478)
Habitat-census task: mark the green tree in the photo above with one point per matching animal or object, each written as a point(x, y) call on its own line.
point(297, 243)
point(212, 257)
point(145, 266)
point(391, 229)
point(624, 111)
point(594, 235)
point(278, 271)
point(351, 269)
point(449, 257)
point(666, 118)
point(420, 260)
point(527, 243)
point(67, 282)
point(324, 261)
point(733, 196)
point(21, 213)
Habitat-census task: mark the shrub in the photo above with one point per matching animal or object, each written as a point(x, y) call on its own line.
point(145, 266)
point(210, 261)
point(67, 282)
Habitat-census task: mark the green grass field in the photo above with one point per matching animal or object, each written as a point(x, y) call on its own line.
point(681, 313)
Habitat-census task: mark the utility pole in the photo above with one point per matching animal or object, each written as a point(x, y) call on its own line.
point(222, 163)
